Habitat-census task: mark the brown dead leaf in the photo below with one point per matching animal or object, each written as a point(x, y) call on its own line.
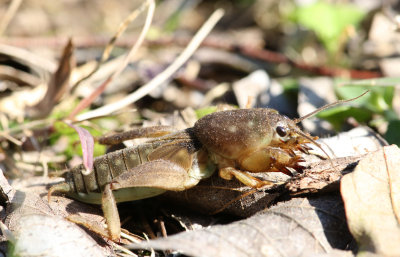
point(372, 201)
point(57, 86)
point(321, 177)
point(216, 194)
point(299, 227)
point(39, 228)
point(42, 235)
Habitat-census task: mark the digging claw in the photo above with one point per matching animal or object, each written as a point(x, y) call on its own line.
point(300, 159)
point(298, 167)
point(307, 147)
point(304, 148)
point(291, 152)
point(286, 171)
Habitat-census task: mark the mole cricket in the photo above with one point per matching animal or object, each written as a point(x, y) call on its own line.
point(234, 142)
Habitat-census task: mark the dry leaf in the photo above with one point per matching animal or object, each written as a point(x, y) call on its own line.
point(41, 235)
point(372, 201)
point(249, 88)
point(216, 194)
point(87, 144)
point(358, 141)
point(57, 86)
point(40, 230)
point(321, 177)
point(299, 227)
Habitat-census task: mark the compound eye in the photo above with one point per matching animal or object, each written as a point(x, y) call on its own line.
point(281, 131)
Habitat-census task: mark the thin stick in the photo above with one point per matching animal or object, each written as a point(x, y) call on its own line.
point(18, 76)
point(10, 138)
point(29, 58)
point(129, 237)
point(235, 47)
point(122, 27)
point(140, 40)
point(163, 76)
point(87, 101)
point(123, 249)
point(12, 9)
point(29, 125)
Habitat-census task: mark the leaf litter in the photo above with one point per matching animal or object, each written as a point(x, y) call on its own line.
point(372, 200)
point(304, 217)
point(299, 227)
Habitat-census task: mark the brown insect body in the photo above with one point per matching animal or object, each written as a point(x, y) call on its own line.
point(105, 168)
point(232, 133)
point(237, 141)
point(247, 139)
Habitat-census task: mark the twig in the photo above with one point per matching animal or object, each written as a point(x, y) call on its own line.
point(18, 76)
point(10, 138)
point(256, 53)
point(111, 43)
point(123, 249)
point(31, 59)
point(130, 238)
point(12, 9)
point(29, 125)
point(163, 76)
point(87, 101)
point(276, 57)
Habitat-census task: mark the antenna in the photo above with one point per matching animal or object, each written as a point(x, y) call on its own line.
point(327, 106)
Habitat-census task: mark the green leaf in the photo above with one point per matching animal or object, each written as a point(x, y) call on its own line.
point(328, 21)
point(378, 100)
point(338, 115)
point(392, 134)
point(74, 147)
point(381, 82)
point(200, 113)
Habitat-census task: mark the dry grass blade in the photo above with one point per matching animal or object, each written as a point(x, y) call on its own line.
point(18, 76)
point(110, 45)
point(12, 9)
point(31, 59)
point(87, 101)
point(10, 138)
point(123, 250)
point(163, 76)
point(57, 86)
